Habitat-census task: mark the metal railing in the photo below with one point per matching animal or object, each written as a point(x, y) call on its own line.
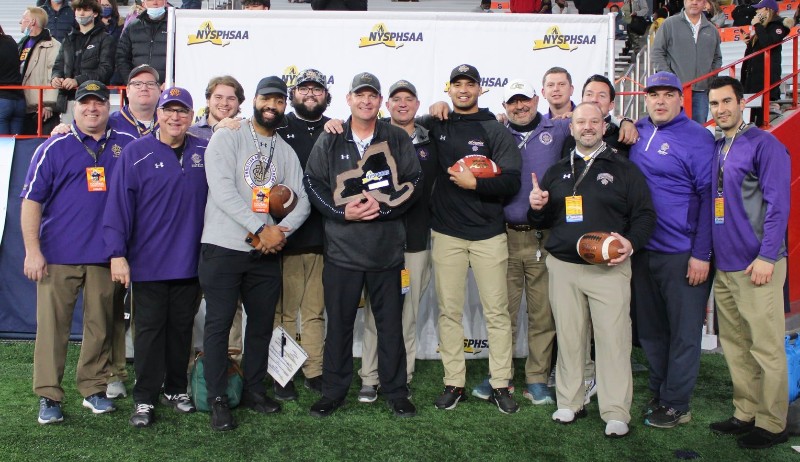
point(630, 98)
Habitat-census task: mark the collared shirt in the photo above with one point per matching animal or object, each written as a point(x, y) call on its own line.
point(201, 128)
point(695, 26)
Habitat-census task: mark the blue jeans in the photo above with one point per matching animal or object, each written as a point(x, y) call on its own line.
point(700, 106)
point(12, 114)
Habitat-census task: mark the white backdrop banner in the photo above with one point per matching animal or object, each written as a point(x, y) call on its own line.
point(419, 47)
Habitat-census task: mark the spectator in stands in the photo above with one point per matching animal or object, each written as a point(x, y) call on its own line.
point(687, 45)
point(591, 6)
point(744, 13)
point(635, 14)
point(144, 41)
point(484, 7)
point(351, 5)
point(12, 102)
point(770, 28)
point(256, 4)
point(86, 54)
point(619, 23)
point(37, 55)
point(138, 116)
point(110, 16)
point(60, 17)
point(714, 13)
point(659, 15)
point(191, 5)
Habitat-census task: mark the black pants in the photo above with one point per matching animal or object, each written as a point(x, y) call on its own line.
point(669, 315)
point(342, 293)
point(163, 317)
point(226, 275)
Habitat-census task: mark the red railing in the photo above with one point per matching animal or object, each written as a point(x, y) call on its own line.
point(41, 89)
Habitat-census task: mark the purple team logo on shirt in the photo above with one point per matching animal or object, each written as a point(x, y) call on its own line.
point(197, 160)
point(545, 138)
point(256, 174)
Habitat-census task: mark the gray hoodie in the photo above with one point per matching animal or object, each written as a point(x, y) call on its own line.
point(675, 50)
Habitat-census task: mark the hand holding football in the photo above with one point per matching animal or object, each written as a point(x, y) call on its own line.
point(599, 247)
point(480, 166)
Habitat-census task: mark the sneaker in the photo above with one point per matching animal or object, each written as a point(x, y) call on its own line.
point(651, 406)
point(116, 390)
point(49, 411)
point(408, 387)
point(287, 393)
point(180, 402)
point(761, 439)
point(667, 417)
point(539, 393)
point(503, 400)
point(143, 415)
point(568, 416)
point(484, 390)
point(551, 380)
point(616, 429)
point(324, 407)
point(368, 394)
point(733, 426)
point(402, 407)
point(314, 384)
point(99, 403)
point(450, 397)
point(259, 402)
point(591, 390)
point(221, 417)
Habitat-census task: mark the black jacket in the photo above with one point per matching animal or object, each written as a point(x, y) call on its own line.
point(341, 5)
point(9, 67)
point(477, 214)
point(375, 245)
point(87, 56)
point(590, 6)
point(418, 218)
point(615, 198)
point(144, 41)
point(611, 137)
point(753, 69)
point(59, 22)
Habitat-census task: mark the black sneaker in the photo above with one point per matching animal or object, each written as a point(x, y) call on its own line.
point(260, 402)
point(180, 402)
point(314, 384)
point(408, 387)
point(368, 394)
point(221, 417)
point(761, 439)
point(652, 405)
point(667, 417)
point(502, 398)
point(287, 393)
point(733, 426)
point(450, 397)
point(143, 415)
point(325, 406)
point(402, 407)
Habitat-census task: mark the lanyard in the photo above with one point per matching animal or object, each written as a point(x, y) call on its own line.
point(127, 115)
point(723, 157)
point(258, 146)
point(99, 151)
point(585, 169)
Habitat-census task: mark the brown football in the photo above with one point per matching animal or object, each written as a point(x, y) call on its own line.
point(282, 200)
point(480, 166)
point(598, 247)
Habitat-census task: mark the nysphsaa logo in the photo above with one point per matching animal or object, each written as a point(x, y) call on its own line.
point(381, 35)
point(475, 345)
point(207, 33)
point(553, 38)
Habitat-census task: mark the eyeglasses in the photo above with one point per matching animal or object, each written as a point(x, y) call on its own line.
point(181, 111)
point(138, 84)
point(316, 91)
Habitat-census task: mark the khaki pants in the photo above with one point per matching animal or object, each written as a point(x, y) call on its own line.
point(580, 294)
point(56, 295)
point(302, 293)
point(751, 332)
point(489, 261)
point(419, 268)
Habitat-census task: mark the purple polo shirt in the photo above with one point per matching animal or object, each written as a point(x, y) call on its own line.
point(154, 214)
point(539, 151)
point(71, 214)
point(124, 121)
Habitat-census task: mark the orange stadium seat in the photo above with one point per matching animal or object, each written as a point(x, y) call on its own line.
point(734, 34)
point(504, 6)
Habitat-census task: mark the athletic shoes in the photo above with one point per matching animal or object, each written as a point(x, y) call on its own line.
point(368, 394)
point(616, 429)
point(551, 380)
point(667, 417)
point(484, 390)
point(539, 393)
point(761, 439)
point(180, 402)
point(143, 415)
point(503, 400)
point(314, 384)
point(591, 390)
point(733, 426)
point(568, 416)
point(287, 393)
point(49, 411)
point(116, 390)
point(651, 406)
point(450, 397)
point(99, 403)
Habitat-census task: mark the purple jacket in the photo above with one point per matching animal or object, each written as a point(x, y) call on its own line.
point(71, 214)
point(124, 121)
point(154, 215)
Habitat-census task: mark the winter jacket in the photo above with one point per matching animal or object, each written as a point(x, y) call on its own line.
point(59, 22)
point(38, 69)
point(85, 57)
point(753, 69)
point(144, 41)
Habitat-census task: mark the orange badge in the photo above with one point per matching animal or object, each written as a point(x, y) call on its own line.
point(96, 179)
point(261, 199)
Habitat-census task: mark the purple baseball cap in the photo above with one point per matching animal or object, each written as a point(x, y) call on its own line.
point(176, 95)
point(664, 79)
point(771, 4)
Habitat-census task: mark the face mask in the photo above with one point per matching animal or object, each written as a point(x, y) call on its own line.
point(107, 10)
point(27, 31)
point(58, 2)
point(156, 13)
point(84, 20)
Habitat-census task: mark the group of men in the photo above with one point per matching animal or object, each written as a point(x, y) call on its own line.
point(181, 199)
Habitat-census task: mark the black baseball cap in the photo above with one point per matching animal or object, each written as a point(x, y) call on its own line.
point(465, 70)
point(365, 80)
point(92, 88)
point(272, 84)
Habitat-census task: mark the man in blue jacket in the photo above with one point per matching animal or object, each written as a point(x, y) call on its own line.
point(670, 275)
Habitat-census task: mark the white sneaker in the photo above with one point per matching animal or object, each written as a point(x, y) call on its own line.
point(616, 429)
point(116, 390)
point(591, 390)
point(568, 416)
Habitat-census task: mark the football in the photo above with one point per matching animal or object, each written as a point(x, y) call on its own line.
point(598, 247)
point(282, 200)
point(480, 166)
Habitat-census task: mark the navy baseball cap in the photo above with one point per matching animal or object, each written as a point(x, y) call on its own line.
point(92, 88)
point(272, 84)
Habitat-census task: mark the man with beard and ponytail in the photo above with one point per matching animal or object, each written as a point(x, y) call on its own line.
point(241, 164)
point(302, 257)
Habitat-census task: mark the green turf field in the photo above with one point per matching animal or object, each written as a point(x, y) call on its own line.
point(473, 432)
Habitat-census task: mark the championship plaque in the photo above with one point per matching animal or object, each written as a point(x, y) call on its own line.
point(377, 174)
